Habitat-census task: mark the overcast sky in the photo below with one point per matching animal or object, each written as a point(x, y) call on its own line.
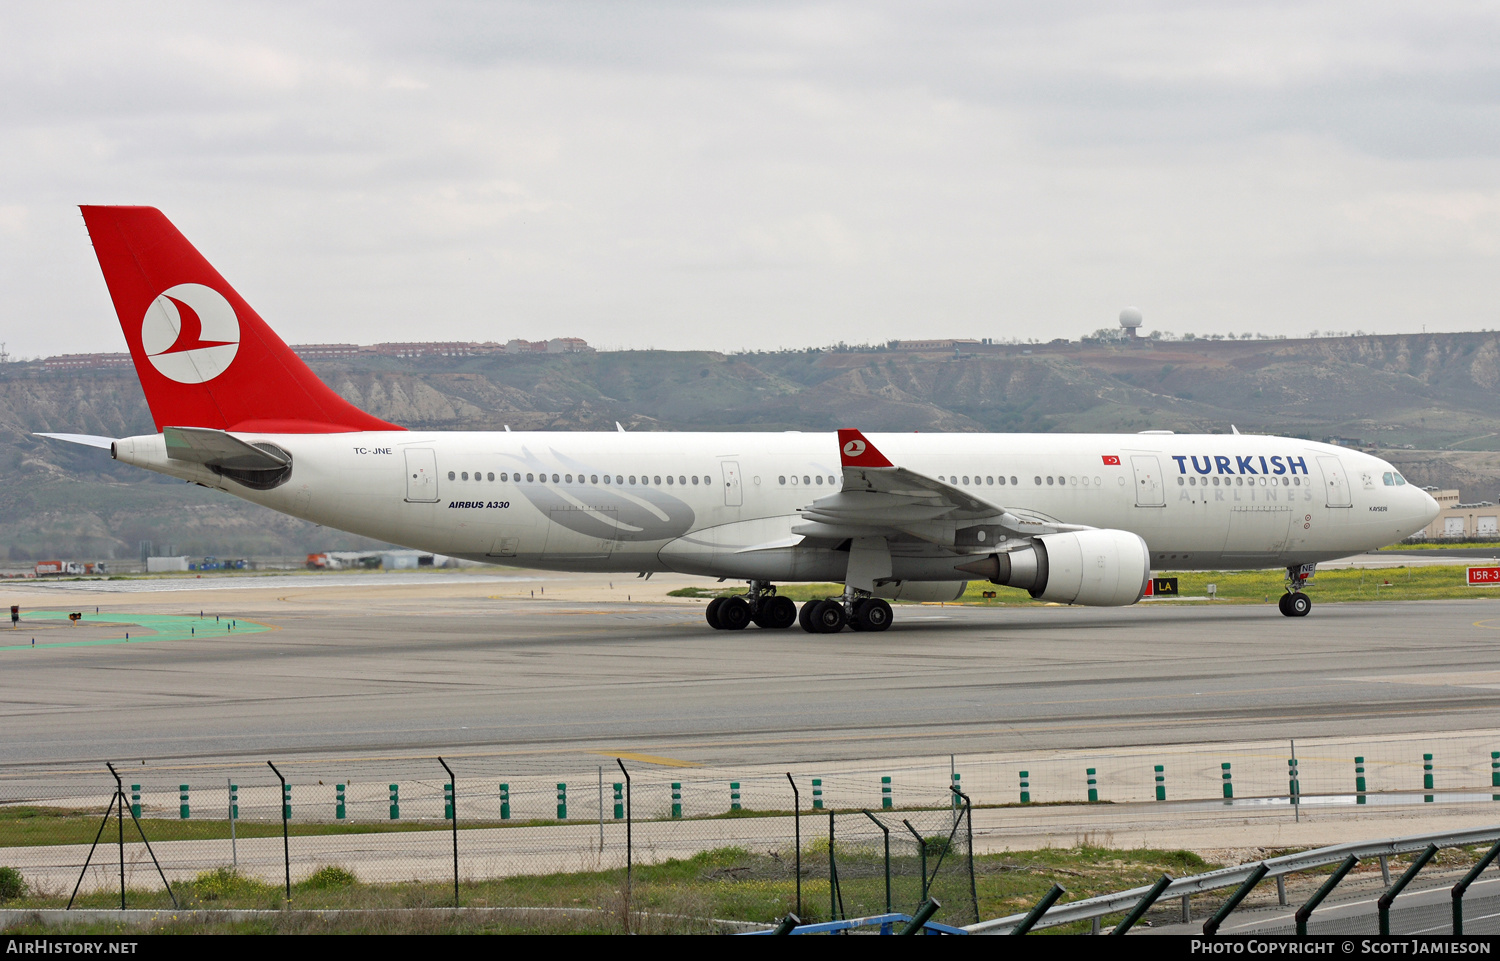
point(762, 175)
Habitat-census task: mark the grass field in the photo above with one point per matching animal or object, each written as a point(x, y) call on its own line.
point(677, 897)
point(1233, 587)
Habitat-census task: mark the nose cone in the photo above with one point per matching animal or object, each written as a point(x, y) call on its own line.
point(1430, 508)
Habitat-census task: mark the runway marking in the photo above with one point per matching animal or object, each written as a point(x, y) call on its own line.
point(1480, 680)
point(647, 759)
point(1488, 625)
point(159, 627)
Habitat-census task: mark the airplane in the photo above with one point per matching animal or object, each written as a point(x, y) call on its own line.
point(1070, 518)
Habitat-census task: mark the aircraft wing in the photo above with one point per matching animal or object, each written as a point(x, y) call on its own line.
point(880, 499)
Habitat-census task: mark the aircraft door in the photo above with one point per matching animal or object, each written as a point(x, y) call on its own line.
point(421, 476)
point(1335, 482)
point(1149, 489)
point(733, 496)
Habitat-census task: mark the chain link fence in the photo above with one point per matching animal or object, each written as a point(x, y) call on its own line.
point(611, 837)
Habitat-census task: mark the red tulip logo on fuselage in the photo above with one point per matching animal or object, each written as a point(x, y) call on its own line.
point(190, 333)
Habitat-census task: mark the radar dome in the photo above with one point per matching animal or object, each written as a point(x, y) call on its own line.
point(1130, 318)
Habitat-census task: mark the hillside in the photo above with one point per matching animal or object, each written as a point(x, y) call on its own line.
point(1436, 394)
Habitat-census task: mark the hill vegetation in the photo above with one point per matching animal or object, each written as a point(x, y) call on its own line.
point(1429, 402)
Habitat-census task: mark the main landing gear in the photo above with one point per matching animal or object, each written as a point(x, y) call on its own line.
point(763, 607)
point(1294, 603)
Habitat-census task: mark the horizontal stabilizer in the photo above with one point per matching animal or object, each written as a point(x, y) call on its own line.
point(87, 440)
point(215, 448)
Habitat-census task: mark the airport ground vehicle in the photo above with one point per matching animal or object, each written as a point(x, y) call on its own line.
point(1079, 519)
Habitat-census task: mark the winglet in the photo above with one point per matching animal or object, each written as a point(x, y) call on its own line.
point(855, 450)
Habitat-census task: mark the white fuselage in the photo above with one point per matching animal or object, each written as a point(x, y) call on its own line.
point(726, 505)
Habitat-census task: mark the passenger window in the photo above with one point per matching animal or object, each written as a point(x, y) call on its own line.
point(656, 479)
point(528, 478)
point(452, 476)
point(794, 480)
point(820, 479)
point(1002, 480)
point(781, 480)
point(989, 481)
point(669, 480)
point(1181, 482)
point(1012, 480)
point(806, 479)
point(620, 479)
point(606, 480)
point(1038, 481)
point(683, 480)
point(491, 475)
point(695, 480)
point(465, 475)
point(1049, 480)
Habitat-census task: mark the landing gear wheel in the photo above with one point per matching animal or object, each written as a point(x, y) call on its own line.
point(734, 614)
point(804, 616)
point(829, 617)
point(711, 613)
point(777, 613)
point(1281, 603)
point(1298, 604)
point(871, 614)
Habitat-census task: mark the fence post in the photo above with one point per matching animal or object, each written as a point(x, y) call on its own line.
point(1427, 775)
point(395, 802)
point(338, 808)
point(286, 802)
point(817, 794)
point(1389, 897)
point(1035, 914)
point(676, 799)
point(1143, 905)
point(922, 850)
point(734, 795)
point(1211, 926)
point(182, 802)
point(797, 836)
point(505, 801)
point(1359, 779)
point(1093, 787)
point(1495, 773)
point(1462, 886)
point(1293, 783)
point(562, 801)
point(887, 832)
point(234, 815)
point(619, 800)
point(629, 843)
point(887, 802)
point(1025, 787)
point(1305, 912)
point(1227, 776)
point(135, 800)
point(286, 850)
point(968, 816)
point(451, 805)
point(835, 896)
point(1161, 782)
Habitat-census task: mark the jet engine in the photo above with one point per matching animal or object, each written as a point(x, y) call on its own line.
point(1097, 568)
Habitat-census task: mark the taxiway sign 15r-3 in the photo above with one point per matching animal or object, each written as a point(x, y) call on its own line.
point(1073, 518)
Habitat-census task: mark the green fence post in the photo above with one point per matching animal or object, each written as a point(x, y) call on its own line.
point(1359, 779)
point(395, 802)
point(677, 799)
point(817, 794)
point(234, 802)
point(886, 801)
point(505, 802)
point(1093, 787)
point(135, 800)
point(955, 789)
point(1161, 782)
point(447, 802)
point(734, 795)
point(1495, 773)
point(1228, 779)
point(182, 799)
point(619, 800)
point(1293, 782)
point(286, 801)
point(1427, 775)
point(338, 807)
point(562, 801)
point(1025, 787)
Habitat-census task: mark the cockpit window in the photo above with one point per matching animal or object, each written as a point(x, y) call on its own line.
point(1389, 479)
point(1400, 481)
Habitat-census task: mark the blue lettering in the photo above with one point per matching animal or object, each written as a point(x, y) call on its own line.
point(1277, 467)
point(1222, 462)
point(1245, 466)
point(1181, 464)
point(1208, 464)
point(1263, 468)
point(1296, 463)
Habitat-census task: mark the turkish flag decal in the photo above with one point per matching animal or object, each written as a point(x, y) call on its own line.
point(1111, 460)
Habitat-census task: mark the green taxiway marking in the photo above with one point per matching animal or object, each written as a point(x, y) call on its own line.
point(156, 627)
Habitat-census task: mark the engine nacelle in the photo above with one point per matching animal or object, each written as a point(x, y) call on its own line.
point(1100, 568)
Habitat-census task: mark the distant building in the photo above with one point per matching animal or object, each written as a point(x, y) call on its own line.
point(1456, 519)
point(86, 362)
point(326, 351)
point(947, 344)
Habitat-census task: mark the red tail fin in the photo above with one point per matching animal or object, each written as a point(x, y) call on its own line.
point(204, 357)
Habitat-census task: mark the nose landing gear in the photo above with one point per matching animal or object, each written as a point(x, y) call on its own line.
point(1294, 603)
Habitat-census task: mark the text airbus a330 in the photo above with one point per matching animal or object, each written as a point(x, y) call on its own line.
point(1077, 519)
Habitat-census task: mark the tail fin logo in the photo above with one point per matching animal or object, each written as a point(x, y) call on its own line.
point(190, 333)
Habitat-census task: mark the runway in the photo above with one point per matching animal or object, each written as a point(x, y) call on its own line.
point(473, 663)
